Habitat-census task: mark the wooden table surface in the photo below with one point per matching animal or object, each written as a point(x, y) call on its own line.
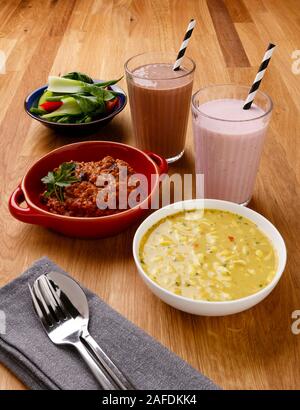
point(254, 349)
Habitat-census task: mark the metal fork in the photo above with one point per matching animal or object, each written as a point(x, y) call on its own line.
point(63, 329)
point(75, 302)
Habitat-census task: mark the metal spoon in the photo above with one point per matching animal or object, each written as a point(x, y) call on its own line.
point(76, 302)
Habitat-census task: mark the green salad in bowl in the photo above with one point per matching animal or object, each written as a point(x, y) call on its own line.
point(75, 98)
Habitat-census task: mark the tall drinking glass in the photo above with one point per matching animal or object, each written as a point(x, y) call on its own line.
point(159, 102)
point(229, 140)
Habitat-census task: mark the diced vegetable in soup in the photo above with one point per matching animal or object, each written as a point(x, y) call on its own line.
point(208, 255)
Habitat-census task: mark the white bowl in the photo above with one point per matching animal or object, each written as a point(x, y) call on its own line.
point(206, 308)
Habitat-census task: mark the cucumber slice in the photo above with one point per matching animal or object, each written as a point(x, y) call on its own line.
point(69, 107)
point(46, 94)
point(64, 85)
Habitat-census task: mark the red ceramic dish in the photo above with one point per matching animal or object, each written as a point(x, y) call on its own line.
point(29, 190)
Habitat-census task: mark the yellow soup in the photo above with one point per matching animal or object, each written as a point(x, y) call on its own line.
point(208, 255)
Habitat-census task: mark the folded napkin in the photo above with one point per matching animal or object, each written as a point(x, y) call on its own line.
point(29, 353)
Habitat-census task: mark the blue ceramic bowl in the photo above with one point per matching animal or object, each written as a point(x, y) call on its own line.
point(32, 100)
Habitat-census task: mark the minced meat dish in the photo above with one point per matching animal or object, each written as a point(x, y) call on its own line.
point(72, 190)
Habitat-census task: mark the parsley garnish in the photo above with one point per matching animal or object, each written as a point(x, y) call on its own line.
point(58, 180)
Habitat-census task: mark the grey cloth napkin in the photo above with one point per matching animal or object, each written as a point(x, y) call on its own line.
point(29, 353)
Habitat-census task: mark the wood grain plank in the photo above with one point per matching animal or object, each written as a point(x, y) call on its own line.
point(7, 9)
point(286, 16)
point(232, 48)
point(253, 41)
point(238, 11)
point(255, 6)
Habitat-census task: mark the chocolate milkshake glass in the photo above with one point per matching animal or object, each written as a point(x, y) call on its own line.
point(159, 102)
point(229, 140)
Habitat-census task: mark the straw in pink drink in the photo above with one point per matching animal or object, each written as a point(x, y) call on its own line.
point(259, 76)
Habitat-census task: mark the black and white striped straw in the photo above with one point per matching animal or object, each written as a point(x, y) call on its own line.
point(184, 44)
point(259, 76)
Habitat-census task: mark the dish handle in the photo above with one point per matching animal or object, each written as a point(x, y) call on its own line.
point(24, 214)
point(159, 161)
